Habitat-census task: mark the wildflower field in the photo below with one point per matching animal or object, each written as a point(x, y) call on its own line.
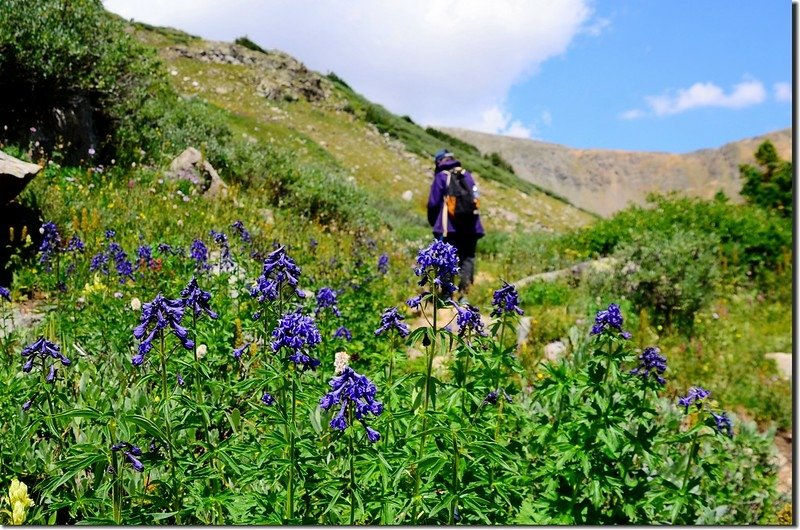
point(294, 351)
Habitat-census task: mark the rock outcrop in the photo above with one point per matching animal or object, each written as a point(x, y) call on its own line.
point(14, 176)
point(190, 165)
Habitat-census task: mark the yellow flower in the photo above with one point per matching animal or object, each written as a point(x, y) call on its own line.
point(19, 501)
point(18, 514)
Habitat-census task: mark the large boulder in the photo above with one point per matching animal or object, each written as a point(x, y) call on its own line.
point(14, 176)
point(190, 165)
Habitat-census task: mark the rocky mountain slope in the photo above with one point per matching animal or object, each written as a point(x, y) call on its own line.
point(274, 100)
point(604, 181)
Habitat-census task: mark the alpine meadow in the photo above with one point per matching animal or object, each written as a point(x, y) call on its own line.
point(221, 304)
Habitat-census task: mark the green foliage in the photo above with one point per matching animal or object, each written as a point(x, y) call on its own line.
point(500, 162)
point(250, 45)
point(671, 276)
point(751, 240)
point(770, 185)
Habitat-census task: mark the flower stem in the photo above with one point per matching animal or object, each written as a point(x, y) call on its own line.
point(168, 424)
point(290, 484)
point(352, 475)
point(692, 454)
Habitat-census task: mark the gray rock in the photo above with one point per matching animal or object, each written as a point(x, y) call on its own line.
point(14, 176)
point(190, 165)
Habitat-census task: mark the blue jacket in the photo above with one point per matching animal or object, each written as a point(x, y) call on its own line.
point(436, 199)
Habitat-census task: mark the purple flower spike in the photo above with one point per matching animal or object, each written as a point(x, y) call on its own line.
point(326, 298)
point(392, 320)
point(267, 399)
point(469, 321)
point(610, 318)
point(505, 300)
point(695, 396)
point(237, 352)
point(156, 316)
point(651, 362)
point(197, 299)
point(351, 390)
point(5, 293)
point(297, 333)
point(438, 263)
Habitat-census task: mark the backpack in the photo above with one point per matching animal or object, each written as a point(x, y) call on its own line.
point(462, 204)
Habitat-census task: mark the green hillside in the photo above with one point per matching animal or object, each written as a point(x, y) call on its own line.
point(282, 348)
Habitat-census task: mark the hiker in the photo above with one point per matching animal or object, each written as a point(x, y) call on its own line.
point(453, 213)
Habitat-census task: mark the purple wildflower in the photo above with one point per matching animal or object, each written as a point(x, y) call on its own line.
point(326, 298)
point(695, 395)
point(505, 301)
point(607, 319)
point(123, 266)
point(99, 262)
point(110, 234)
point(42, 348)
point(5, 293)
point(225, 260)
point(278, 266)
point(353, 391)
point(392, 319)
point(51, 243)
point(199, 253)
point(238, 352)
point(267, 399)
point(469, 320)
point(180, 380)
point(27, 405)
point(297, 333)
point(724, 424)
point(241, 231)
point(343, 333)
point(157, 315)
point(415, 301)
point(130, 454)
point(75, 244)
point(383, 263)
point(651, 361)
point(145, 255)
point(197, 299)
point(438, 263)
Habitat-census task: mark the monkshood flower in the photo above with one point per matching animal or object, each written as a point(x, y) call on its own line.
point(343, 333)
point(75, 244)
point(651, 361)
point(51, 242)
point(491, 397)
point(415, 301)
point(5, 293)
point(392, 319)
point(180, 380)
point(131, 452)
point(27, 405)
point(145, 255)
point(164, 249)
point(267, 399)
point(607, 319)
point(42, 348)
point(123, 266)
point(265, 290)
point(440, 260)
point(383, 263)
point(197, 299)
point(241, 231)
point(110, 234)
point(279, 267)
point(505, 301)
point(326, 298)
point(352, 391)
point(469, 320)
point(724, 424)
point(297, 332)
point(156, 316)
point(696, 395)
point(238, 352)
point(99, 262)
point(199, 253)
point(225, 260)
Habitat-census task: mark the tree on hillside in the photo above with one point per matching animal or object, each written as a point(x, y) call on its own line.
point(769, 185)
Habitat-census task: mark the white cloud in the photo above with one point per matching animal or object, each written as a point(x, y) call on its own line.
point(783, 92)
point(439, 61)
point(497, 121)
point(700, 95)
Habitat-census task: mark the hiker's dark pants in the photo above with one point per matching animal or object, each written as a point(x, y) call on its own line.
point(465, 246)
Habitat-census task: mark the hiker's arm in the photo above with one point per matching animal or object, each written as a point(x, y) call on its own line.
point(435, 198)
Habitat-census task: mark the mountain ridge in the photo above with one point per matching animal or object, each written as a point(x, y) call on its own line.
point(605, 181)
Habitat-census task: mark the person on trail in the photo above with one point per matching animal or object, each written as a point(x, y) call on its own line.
point(453, 213)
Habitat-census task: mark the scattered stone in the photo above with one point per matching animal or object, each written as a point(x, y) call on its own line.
point(190, 165)
point(555, 351)
point(14, 176)
point(784, 362)
point(408, 195)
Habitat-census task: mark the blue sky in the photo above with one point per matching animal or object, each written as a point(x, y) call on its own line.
point(647, 75)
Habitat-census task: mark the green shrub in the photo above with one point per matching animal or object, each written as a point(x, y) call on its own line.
point(250, 45)
point(669, 275)
point(500, 162)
